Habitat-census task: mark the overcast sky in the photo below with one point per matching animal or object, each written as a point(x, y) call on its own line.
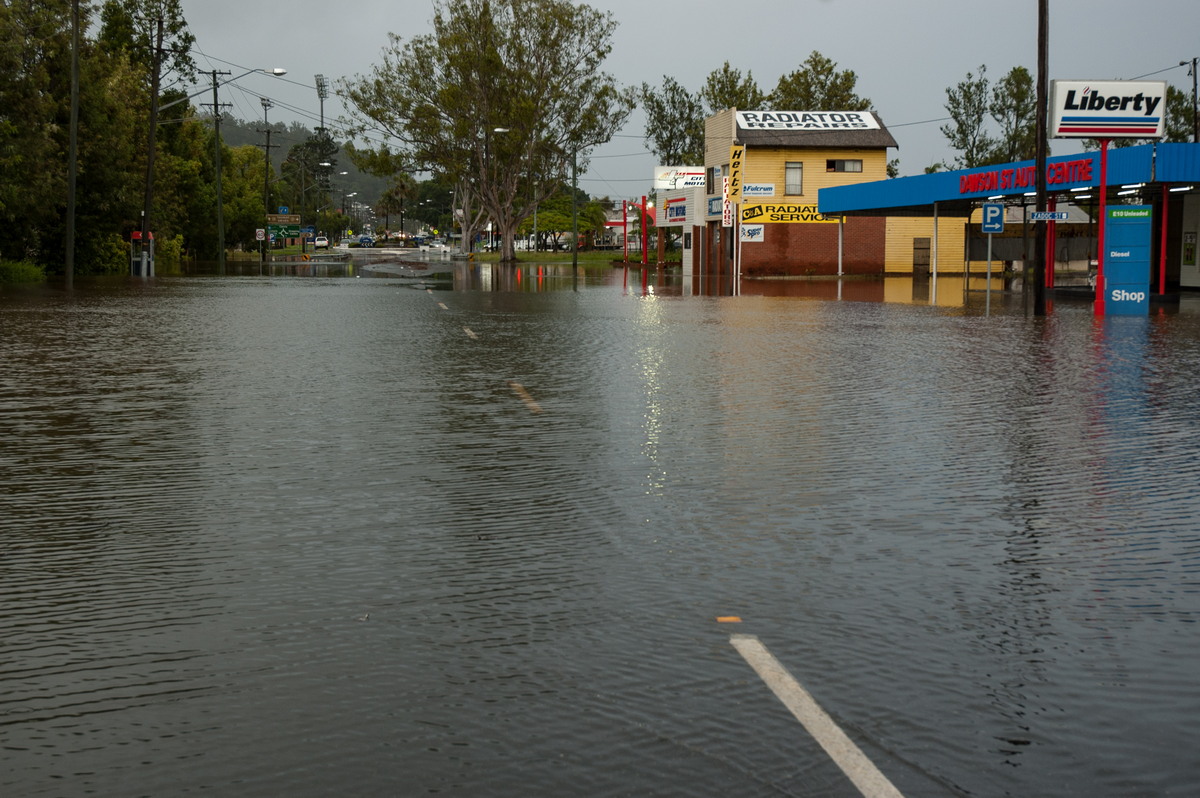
point(905, 53)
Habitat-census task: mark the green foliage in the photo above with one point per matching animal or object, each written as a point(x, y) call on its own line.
point(1180, 127)
point(674, 123)
point(168, 255)
point(818, 86)
point(21, 272)
point(102, 253)
point(498, 101)
point(675, 117)
point(967, 104)
point(127, 27)
point(1014, 107)
point(727, 88)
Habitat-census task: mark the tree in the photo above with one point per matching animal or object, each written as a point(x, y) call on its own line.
point(1178, 129)
point(128, 26)
point(726, 88)
point(818, 86)
point(1180, 121)
point(1014, 107)
point(967, 104)
point(674, 123)
point(499, 99)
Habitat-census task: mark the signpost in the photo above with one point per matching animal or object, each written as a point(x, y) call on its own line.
point(993, 222)
point(1127, 249)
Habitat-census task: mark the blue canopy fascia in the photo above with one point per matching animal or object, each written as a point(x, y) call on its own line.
point(958, 192)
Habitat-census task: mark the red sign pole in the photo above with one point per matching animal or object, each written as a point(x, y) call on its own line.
point(1162, 244)
point(1099, 307)
point(625, 229)
point(645, 234)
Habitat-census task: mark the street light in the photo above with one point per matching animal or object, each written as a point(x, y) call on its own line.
point(217, 146)
point(487, 164)
point(266, 105)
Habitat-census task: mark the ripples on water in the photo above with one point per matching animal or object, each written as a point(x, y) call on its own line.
point(271, 536)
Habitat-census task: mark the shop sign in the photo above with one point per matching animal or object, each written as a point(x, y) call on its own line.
point(667, 178)
point(737, 157)
point(788, 212)
point(1108, 109)
point(753, 190)
point(753, 232)
point(676, 211)
point(1059, 174)
point(806, 120)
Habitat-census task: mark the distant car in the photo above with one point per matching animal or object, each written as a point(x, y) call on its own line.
point(320, 242)
point(366, 241)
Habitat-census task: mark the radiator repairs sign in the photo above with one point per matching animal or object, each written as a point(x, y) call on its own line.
point(783, 212)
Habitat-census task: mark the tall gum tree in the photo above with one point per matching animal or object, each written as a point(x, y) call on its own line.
point(498, 100)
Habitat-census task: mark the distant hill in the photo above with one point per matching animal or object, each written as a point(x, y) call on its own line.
point(236, 133)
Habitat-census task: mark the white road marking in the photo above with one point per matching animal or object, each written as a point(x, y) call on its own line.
point(853, 762)
point(442, 305)
point(470, 333)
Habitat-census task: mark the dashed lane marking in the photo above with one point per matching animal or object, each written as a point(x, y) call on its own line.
point(470, 333)
point(853, 762)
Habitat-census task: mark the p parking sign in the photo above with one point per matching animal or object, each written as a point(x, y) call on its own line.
point(993, 217)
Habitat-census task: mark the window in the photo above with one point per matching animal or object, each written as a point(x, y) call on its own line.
point(793, 178)
point(712, 179)
point(839, 165)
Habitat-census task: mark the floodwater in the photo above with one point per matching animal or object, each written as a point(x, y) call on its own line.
point(286, 536)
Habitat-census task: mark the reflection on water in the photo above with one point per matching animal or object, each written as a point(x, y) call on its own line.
point(274, 535)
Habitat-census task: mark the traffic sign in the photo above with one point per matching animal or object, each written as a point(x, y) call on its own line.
point(1048, 216)
point(993, 217)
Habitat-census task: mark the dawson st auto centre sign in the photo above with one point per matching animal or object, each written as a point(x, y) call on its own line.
point(1090, 109)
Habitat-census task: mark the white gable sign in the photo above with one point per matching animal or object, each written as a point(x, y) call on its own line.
point(806, 120)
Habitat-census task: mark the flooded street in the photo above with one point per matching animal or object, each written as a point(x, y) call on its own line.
point(347, 536)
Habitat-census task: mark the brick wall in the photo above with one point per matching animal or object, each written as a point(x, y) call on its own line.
point(812, 249)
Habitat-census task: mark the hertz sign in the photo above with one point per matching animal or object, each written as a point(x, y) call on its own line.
point(783, 212)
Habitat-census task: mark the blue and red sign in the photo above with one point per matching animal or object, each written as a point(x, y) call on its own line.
point(1111, 109)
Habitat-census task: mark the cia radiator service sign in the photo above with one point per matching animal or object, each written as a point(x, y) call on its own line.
point(1091, 109)
point(787, 212)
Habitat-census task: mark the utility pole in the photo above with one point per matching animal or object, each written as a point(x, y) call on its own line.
point(145, 267)
point(1039, 246)
point(575, 218)
point(267, 105)
point(216, 106)
point(73, 148)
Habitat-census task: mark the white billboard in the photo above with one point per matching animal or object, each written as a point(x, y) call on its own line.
point(1108, 109)
point(669, 178)
point(806, 120)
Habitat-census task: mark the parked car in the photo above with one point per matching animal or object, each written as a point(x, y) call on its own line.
point(321, 242)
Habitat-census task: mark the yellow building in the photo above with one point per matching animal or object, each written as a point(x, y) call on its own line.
point(775, 162)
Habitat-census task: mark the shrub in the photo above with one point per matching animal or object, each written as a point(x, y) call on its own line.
point(21, 272)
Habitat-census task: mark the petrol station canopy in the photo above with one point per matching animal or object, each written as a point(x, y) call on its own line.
point(959, 192)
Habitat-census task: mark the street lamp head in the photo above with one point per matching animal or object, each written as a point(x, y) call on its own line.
point(278, 71)
point(501, 129)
